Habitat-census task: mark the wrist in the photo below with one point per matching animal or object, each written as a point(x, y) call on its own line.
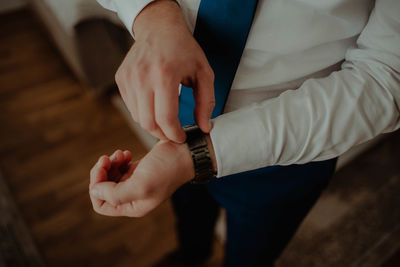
point(158, 15)
point(186, 159)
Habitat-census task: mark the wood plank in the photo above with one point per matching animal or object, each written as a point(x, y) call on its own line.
point(17, 248)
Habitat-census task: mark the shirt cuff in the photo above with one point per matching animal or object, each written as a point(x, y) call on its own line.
point(230, 137)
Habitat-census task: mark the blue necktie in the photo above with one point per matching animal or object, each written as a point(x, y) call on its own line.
point(222, 28)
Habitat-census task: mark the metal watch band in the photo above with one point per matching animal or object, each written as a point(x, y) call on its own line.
point(197, 143)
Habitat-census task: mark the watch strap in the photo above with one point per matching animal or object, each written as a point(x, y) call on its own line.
point(198, 147)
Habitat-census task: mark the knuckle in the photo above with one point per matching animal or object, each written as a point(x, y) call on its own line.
point(117, 76)
point(141, 77)
point(210, 73)
point(122, 74)
point(165, 68)
point(141, 70)
point(141, 64)
point(132, 74)
point(212, 103)
point(206, 70)
point(130, 210)
point(115, 201)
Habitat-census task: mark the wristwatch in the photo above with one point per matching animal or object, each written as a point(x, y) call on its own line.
point(203, 168)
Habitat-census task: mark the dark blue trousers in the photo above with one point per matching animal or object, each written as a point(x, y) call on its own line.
point(264, 209)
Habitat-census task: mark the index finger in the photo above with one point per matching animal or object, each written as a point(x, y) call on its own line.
point(166, 113)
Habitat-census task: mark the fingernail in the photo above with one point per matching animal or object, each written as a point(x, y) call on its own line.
point(94, 192)
point(210, 125)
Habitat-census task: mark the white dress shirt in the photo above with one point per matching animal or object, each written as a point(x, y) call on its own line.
point(316, 78)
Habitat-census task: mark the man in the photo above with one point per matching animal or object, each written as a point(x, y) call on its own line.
point(315, 79)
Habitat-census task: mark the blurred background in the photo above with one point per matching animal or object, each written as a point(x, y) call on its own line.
point(60, 110)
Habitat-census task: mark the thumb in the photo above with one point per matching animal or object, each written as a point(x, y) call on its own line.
point(205, 100)
point(113, 193)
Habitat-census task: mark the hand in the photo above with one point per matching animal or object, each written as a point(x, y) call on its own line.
point(164, 55)
point(119, 187)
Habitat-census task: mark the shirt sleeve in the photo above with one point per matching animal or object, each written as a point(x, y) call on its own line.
point(127, 10)
point(324, 117)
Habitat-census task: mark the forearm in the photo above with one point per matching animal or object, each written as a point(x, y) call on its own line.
point(324, 117)
point(319, 121)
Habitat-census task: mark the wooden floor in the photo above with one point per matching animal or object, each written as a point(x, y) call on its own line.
point(52, 132)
